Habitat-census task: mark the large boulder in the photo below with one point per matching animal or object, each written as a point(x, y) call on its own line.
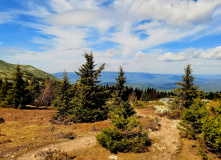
point(2, 120)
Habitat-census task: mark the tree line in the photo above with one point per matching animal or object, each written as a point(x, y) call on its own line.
point(20, 91)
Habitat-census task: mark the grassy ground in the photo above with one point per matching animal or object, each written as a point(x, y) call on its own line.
point(30, 128)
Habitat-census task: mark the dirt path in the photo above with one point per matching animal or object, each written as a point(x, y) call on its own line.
point(76, 144)
point(165, 142)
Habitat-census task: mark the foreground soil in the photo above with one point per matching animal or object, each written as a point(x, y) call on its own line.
point(27, 133)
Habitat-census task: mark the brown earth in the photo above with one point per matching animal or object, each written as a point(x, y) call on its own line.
point(29, 132)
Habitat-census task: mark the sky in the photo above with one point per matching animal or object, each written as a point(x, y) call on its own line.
point(154, 36)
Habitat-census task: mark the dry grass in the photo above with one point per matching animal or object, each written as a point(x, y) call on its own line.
point(26, 129)
point(213, 103)
point(29, 129)
point(97, 152)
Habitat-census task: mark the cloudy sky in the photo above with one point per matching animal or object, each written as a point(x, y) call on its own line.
point(156, 36)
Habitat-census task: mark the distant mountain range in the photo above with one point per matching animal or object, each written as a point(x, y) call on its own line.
point(207, 82)
point(7, 70)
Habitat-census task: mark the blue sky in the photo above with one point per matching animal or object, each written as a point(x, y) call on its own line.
point(155, 36)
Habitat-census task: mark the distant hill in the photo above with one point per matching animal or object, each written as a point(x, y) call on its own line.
point(207, 82)
point(7, 70)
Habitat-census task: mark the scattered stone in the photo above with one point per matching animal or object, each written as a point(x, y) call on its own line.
point(150, 130)
point(2, 120)
point(22, 137)
point(113, 157)
point(156, 145)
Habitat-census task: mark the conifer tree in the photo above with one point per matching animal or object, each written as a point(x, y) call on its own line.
point(62, 101)
point(127, 133)
point(187, 91)
point(120, 88)
point(89, 99)
point(33, 89)
point(4, 91)
point(16, 95)
point(121, 106)
point(144, 96)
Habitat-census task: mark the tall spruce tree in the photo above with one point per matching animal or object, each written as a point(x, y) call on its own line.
point(89, 100)
point(4, 91)
point(120, 106)
point(119, 85)
point(62, 101)
point(33, 89)
point(187, 92)
point(17, 93)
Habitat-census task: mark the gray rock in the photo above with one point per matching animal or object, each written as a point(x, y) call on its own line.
point(113, 157)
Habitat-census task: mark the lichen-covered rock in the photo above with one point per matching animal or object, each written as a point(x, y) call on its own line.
point(161, 109)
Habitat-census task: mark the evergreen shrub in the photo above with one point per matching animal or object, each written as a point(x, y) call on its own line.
point(211, 131)
point(192, 119)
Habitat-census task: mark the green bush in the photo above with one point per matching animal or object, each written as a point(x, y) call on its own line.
point(112, 139)
point(120, 111)
point(116, 140)
point(119, 121)
point(218, 109)
point(192, 119)
point(137, 104)
point(126, 136)
point(211, 131)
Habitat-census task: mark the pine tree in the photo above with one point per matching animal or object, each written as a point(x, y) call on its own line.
point(120, 107)
point(187, 91)
point(4, 91)
point(144, 96)
point(89, 99)
point(33, 89)
point(16, 96)
point(120, 88)
point(62, 101)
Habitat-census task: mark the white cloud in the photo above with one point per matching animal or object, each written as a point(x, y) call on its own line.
point(214, 53)
point(174, 12)
point(183, 56)
point(5, 17)
point(200, 64)
point(173, 57)
point(139, 56)
point(76, 17)
point(60, 5)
